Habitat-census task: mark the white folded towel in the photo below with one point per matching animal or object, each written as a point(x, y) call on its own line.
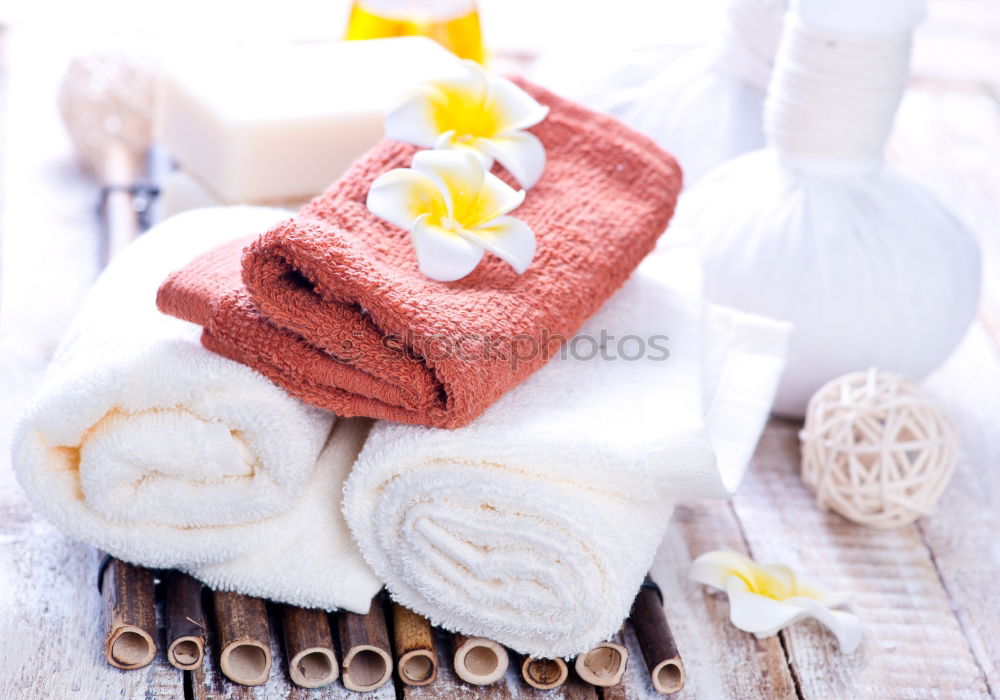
point(143, 443)
point(535, 524)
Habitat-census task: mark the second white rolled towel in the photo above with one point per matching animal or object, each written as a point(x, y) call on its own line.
point(535, 524)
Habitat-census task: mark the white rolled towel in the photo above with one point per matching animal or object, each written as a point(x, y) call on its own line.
point(144, 444)
point(535, 524)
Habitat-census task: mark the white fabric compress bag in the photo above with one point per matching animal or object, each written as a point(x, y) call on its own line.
point(705, 104)
point(818, 230)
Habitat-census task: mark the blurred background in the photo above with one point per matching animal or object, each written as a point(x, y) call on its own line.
point(947, 133)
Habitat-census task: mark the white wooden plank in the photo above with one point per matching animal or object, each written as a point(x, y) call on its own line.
point(719, 660)
point(52, 644)
point(913, 645)
point(962, 534)
point(950, 139)
point(50, 610)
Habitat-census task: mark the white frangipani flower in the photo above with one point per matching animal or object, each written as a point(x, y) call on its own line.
point(454, 210)
point(764, 599)
point(483, 114)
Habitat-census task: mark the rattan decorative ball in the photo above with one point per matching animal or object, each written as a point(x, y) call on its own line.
point(876, 449)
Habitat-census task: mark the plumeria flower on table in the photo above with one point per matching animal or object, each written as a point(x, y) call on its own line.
point(454, 211)
point(764, 599)
point(482, 114)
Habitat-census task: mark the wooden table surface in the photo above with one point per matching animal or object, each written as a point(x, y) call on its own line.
point(927, 593)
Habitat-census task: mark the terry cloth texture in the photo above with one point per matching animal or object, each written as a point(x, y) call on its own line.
point(144, 444)
point(535, 524)
point(335, 310)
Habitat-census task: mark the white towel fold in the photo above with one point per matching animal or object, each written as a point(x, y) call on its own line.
point(306, 556)
point(535, 524)
point(150, 447)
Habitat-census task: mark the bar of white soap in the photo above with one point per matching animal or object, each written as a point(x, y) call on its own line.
point(282, 123)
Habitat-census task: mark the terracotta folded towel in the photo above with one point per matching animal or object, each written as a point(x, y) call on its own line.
point(335, 310)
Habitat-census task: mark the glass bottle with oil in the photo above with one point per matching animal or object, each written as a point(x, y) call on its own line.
point(452, 23)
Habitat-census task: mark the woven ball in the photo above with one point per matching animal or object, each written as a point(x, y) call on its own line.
point(876, 449)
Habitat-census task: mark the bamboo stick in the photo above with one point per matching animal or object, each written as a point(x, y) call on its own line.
point(615, 692)
point(364, 642)
point(312, 662)
point(544, 674)
point(655, 640)
point(244, 638)
point(185, 621)
point(416, 656)
point(129, 602)
point(605, 664)
point(479, 661)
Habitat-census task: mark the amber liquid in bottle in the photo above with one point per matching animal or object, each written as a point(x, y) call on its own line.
point(453, 25)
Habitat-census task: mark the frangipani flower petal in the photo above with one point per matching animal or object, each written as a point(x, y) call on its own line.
point(458, 175)
point(474, 197)
point(832, 599)
point(515, 108)
point(454, 211)
point(520, 152)
point(447, 140)
point(457, 103)
point(755, 613)
point(413, 117)
point(495, 198)
point(765, 599)
point(469, 84)
point(442, 254)
point(509, 239)
point(775, 581)
point(476, 112)
point(714, 568)
point(846, 627)
point(765, 617)
point(402, 195)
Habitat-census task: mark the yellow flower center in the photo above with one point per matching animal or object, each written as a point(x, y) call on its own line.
point(465, 113)
point(449, 224)
point(768, 586)
point(445, 224)
point(763, 583)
